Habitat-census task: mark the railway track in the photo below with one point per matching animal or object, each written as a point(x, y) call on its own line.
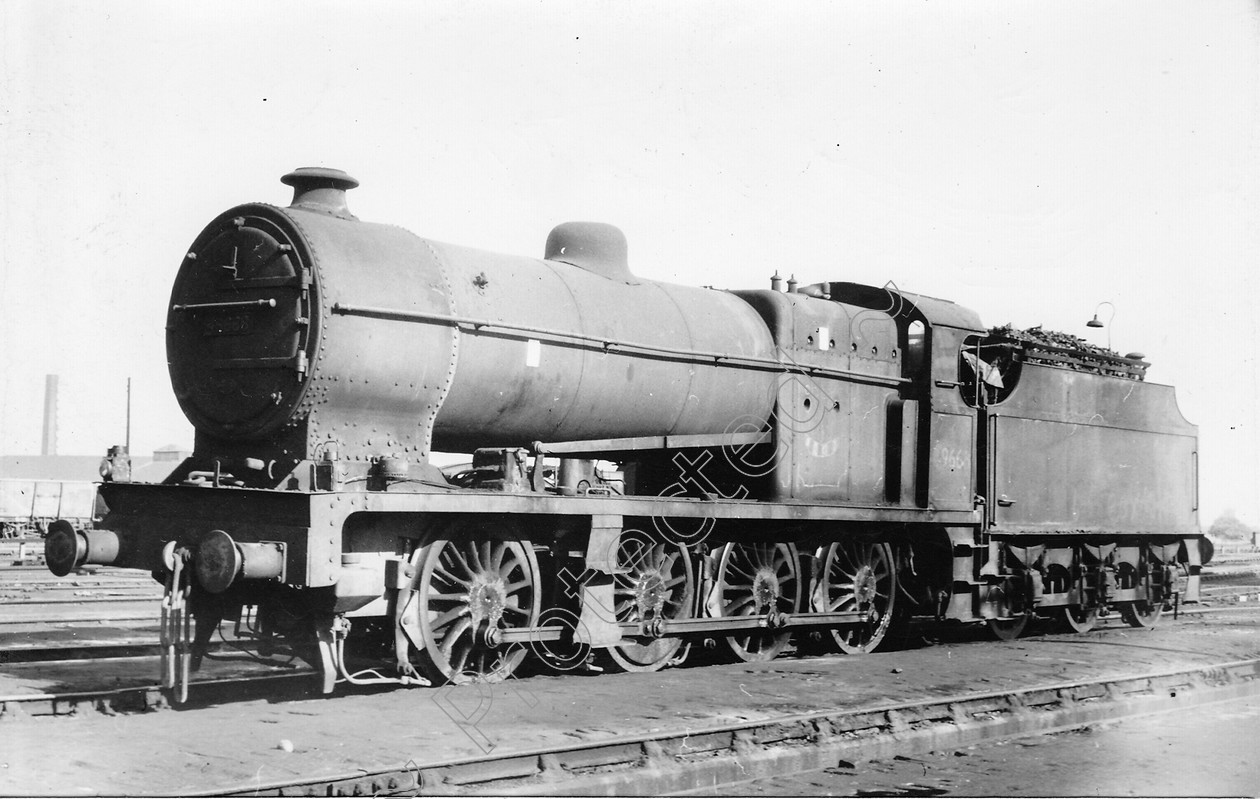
point(673, 762)
point(1233, 579)
point(40, 615)
point(86, 646)
point(118, 673)
point(121, 606)
point(33, 602)
point(105, 619)
point(35, 578)
point(1232, 594)
point(109, 617)
point(676, 731)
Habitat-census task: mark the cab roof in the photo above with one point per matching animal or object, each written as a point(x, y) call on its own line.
point(896, 303)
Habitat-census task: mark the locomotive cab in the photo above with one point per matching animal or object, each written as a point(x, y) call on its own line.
point(874, 416)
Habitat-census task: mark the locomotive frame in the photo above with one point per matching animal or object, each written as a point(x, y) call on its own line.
point(825, 462)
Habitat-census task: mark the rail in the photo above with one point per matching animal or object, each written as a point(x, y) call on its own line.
point(673, 760)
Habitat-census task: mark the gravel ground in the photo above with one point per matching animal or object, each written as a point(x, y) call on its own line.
point(1204, 751)
point(253, 742)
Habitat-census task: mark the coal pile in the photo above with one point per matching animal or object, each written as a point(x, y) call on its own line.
point(1050, 338)
point(1065, 350)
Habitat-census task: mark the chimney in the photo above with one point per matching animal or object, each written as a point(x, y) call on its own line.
point(49, 446)
point(321, 189)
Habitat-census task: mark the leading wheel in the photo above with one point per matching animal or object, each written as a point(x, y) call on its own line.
point(1141, 613)
point(655, 580)
point(468, 587)
point(857, 576)
point(754, 580)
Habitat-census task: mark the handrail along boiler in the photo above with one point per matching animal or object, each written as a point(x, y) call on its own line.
point(651, 464)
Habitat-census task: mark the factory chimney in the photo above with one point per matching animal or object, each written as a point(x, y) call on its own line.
point(50, 416)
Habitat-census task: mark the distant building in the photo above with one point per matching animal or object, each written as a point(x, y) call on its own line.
point(170, 453)
point(86, 468)
point(36, 489)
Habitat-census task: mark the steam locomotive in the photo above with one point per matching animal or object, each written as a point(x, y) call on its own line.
point(648, 465)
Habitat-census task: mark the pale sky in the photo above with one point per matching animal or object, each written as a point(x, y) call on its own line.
point(1029, 160)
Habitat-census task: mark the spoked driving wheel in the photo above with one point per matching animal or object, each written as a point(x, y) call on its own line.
point(655, 581)
point(753, 580)
point(468, 588)
point(857, 577)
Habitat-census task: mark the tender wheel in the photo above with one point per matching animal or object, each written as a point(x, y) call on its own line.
point(658, 582)
point(753, 580)
point(1141, 613)
point(1008, 629)
point(469, 586)
point(857, 576)
point(1077, 619)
